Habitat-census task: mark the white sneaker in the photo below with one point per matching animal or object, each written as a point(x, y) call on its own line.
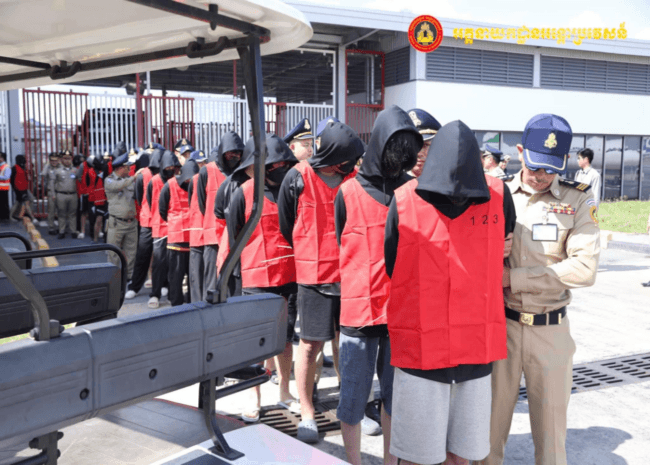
point(164, 291)
point(153, 302)
point(43, 224)
point(56, 222)
point(129, 294)
point(35, 221)
point(101, 234)
point(81, 236)
point(148, 284)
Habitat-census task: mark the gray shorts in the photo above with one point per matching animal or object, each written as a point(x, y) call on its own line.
point(431, 418)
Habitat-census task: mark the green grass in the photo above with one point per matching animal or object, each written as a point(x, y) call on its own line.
point(629, 216)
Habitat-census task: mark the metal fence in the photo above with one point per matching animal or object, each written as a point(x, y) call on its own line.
point(5, 143)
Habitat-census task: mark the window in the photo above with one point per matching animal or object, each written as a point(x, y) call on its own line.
point(645, 169)
point(612, 171)
point(631, 162)
point(577, 144)
point(398, 64)
point(480, 67)
point(594, 75)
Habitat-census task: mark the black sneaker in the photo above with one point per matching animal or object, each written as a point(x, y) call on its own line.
point(62, 236)
point(646, 284)
point(74, 235)
point(52, 232)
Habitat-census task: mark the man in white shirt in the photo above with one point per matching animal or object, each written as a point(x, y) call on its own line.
point(588, 175)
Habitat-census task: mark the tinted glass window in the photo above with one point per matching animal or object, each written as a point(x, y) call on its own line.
point(612, 178)
point(631, 159)
point(645, 167)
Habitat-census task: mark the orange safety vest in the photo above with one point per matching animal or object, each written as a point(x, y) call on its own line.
point(364, 283)
point(5, 185)
point(196, 217)
point(446, 300)
point(213, 227)
point(314, 235)
point(145, 210)
point(96, 192)
point(158, 225)
point(267, 259)
point(178, 215)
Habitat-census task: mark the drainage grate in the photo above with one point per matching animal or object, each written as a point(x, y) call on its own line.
point(287, 422)
point(606, 373)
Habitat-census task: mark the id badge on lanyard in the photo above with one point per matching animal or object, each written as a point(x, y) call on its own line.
point(544, 231)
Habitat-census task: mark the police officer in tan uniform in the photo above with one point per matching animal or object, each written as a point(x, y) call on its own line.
point(49, 176)
point(65, 186)
point(122, 223)
point(556, 248)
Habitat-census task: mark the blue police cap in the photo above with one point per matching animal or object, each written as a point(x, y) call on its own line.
point(493, 150)
point(122, 160)
point(547, 141)
point(322, 124)
point(426, 124)
point(153, 146)
point(198, 156)
point(301, 131)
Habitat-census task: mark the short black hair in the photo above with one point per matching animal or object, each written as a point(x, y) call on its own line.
point(587, 153)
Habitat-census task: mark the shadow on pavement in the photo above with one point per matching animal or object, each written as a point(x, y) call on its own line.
point(594, 446)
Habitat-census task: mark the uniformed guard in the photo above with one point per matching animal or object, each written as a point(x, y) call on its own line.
point(183, 149)
point(49, 176)
point(491, 159)
point(65, 186)
point(556, 248)
point(503, 164)
point(428, 127)
point(300, 140)
point(122, 222)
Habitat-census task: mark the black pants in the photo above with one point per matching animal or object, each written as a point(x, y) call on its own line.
point(209, 268)
point(196, 274)
point(4, 205)
point(179, 264)
point(159, 267)
point(142, 260)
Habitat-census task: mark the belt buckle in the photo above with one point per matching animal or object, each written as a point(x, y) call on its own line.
point(526, 318)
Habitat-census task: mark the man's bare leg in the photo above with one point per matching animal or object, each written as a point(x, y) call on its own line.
point(305, 370)
point(386, 422)
point(283, 364)
point(352, 441)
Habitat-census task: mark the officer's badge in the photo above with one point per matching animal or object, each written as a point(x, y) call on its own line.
point(307, 126)
point(201, 154)
point(593, 212)
point(184, 142)
point(551, 141)
point(415, 119)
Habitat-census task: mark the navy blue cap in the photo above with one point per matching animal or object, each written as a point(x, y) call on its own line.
point(301, 131)
point(122, 160)
point(547, 141)
point(322, 124)
point(198, 156)
point(426, 124)
point(493, 150)
point(151, 147)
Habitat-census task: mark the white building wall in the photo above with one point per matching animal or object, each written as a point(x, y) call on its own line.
point(509, 108)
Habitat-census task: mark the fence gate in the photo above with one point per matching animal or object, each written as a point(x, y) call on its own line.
point(168, 119)
point(364, 89)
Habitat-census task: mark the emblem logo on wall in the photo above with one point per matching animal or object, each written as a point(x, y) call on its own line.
point(425, 33)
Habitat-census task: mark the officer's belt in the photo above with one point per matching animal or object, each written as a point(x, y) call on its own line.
point(541, 319)
point(127, 220)
point(64, 192)
point(178, 249)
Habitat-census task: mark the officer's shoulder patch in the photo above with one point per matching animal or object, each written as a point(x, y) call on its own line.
point(506, 177)
point(575, 184)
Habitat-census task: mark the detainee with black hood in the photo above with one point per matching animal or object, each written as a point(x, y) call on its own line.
point(361, 208)
point(267, 263)
point(169, 167)
point(444, 248)
point(223, 160)
point(306, 214)
point(145, 239)
point(174, 207)
point(240, 175)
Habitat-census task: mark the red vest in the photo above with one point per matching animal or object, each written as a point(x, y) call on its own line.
point(158, 226)
point(145, 210)
point(267, 259)
point(96, 192)
point(5, 185)
point(178, 215)
point(82, 186)
point(196, 217)
point(314, 236)
point(446, 298)
point(213, 228)
point(364, 283)
point(20, 180)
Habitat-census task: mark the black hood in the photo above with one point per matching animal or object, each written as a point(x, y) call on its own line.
point(20, 160)
point(277, 150)
point(247, 158)
point(169, 159)
point(390, 121)
point(142, 161)
point(230, 142)
point(453, 167)
point(119, 149)
point(189, 169)
point(154, 161)
point(338, 144)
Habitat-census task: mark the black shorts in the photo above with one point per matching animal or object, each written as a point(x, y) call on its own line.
point(84, 204)
point(320, 314)
point(287, 291)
